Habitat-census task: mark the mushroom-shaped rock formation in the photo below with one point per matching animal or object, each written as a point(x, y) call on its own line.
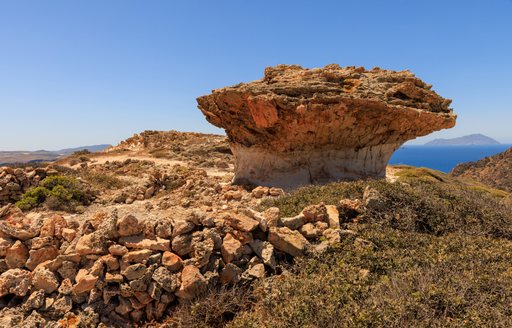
point(300, 126)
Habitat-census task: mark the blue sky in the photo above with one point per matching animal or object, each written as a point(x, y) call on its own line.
point(85, 72)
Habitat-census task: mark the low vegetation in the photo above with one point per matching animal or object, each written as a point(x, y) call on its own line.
point(438, 255)
point(57, 192)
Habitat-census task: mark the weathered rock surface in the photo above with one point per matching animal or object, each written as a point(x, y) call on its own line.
point(299, 126)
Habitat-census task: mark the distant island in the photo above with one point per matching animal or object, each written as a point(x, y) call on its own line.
point(469, 140)
point(11, 157)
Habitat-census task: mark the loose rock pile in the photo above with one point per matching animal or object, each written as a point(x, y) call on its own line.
point(121, 270)
point(14, 182)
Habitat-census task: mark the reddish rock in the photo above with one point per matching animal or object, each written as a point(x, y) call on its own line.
point(38, 256)
point(241, 222)
point(172, 261)
point(17, 255)
point(46, 280)
point(231, 248)
point(192, 283)
point(300, 126)
point(15, 281)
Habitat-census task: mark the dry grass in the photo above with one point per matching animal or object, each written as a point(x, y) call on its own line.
point(442, 258)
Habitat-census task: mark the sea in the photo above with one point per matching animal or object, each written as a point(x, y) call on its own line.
point(443, 158)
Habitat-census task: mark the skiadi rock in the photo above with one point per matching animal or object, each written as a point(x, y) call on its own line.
point(300, 126)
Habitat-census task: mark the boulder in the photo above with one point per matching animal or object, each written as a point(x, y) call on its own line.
point(300, 126)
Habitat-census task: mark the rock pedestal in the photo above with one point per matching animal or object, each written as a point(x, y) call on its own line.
point(300, 126)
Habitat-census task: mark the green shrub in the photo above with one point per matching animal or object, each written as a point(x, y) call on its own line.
point(57, 193)
point(33, 198)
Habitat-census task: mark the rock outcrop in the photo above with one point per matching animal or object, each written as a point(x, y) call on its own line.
point(299, 126)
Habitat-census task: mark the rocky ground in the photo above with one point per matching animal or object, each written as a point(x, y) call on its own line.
point(158, 223)
point(163, 225)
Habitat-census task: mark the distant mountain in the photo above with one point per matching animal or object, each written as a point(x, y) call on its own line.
point(92, 149)
point(469, 140)
point(10, 157)
point(495, 171)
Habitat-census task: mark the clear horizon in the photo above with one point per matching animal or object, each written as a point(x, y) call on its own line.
point(93, 72)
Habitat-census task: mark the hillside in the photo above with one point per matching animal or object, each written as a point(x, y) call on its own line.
point(469, 140)
point(495, 171)
point(151, 233)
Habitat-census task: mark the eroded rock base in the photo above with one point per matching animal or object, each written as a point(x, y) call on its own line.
point(295, 169)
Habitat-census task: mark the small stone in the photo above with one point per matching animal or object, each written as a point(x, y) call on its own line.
point(241, 222)
point(257, 271)
point(45, 280)
point(17, 255)
point(333, 216)
point(134, 271)
point(172, 261)
point(5, 243)
point(15, 281)
point(201, 252)
point(309, 231)
point(333, 236)
point(288, 241)
point(265, 251)
point(113, 278)
point(141, 243)
point(137, 256)
point(271, 216)
point(124, 307)
point(68, 234)
point(192, 283)
point(231, 248)
point(259, 192)
point(111, 262)
point(90, 244)
point(35, 300)
point(84, 283)
point(38, 256)
point(163, 228)
point(314, 213)
point(230, 274)
point(181, 227)
point(276, 192)
point(165, 279)
point(293, 223)
point(182, 244)
point(128, 226)
point(117, 250)
point(66, 287)
point(68, 270)
point(154, 290)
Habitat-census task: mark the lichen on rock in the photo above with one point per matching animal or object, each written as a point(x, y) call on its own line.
point(299, 126)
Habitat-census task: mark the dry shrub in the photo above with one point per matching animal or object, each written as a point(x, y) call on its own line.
point(213, 309)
